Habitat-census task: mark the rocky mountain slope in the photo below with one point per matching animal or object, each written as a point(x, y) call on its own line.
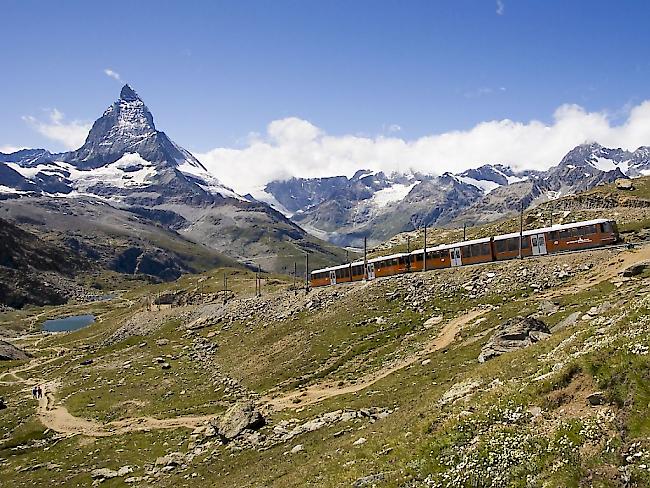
point(371, 205)
point(128, 164)
point(530, 371)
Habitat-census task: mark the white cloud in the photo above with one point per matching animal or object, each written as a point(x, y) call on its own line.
point(501, 8)
point(8, 149)
point(71, 134)
point(296, 147)
point(113, 74)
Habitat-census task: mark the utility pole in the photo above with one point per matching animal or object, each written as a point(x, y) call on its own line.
point(295, 273)
point(408, 253)
point(307, 272)
point(365, 258)
point(424, 263)
point(464, 231)
point(551, 207)
point(521, 229)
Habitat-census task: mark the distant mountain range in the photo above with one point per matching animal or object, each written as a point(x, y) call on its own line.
point(126, 164)
point(378, 206)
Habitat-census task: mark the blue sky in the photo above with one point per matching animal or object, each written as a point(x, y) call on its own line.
point(214, 72)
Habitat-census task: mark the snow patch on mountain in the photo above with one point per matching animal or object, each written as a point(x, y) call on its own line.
point(393, 193)
point(485, 185)
point(607, 164)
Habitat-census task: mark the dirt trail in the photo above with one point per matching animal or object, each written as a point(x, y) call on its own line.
point(59, 419)
point(321, 391)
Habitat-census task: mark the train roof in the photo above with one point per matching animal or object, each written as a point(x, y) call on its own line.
point(442, 247)
point(552, 228)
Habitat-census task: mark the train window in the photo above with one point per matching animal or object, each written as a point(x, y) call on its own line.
point(554, 235)
point(593, 229)
point(501, 246)
point(564, 234)
point(476, 249)
point(513, 244)
point(466, 251)
point(524, 243)
point(607, 227)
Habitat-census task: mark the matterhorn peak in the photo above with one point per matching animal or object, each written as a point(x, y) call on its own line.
point(128, 94)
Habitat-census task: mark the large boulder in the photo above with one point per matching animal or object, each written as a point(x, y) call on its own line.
point(514, 334)
point(238, 418)
point(9, 352)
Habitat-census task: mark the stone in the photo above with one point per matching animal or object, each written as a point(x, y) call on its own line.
point(124, 470)
point(624, 184)
point(9, 352)
point(162, 342)
point(368, 480)
point(596, 398)
point(568, 321)
point(166, 366)
point(459, 390)
point(3, 405)
point(238, 418)
point(515, 334)
point(297, 448)
point(436, 319)
point(171, 459)
point(86, 362)
point(103, 473)
point(635, 269)
point(359, 441)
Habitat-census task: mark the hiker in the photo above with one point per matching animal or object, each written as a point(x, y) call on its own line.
point(39, 391)
point(34, 392)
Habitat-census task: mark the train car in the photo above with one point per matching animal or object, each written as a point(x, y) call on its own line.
point(536, 242)
point(558, 238)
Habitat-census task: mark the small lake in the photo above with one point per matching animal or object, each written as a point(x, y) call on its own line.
point(66, 324)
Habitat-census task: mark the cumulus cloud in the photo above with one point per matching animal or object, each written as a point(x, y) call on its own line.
point(70, 134)
point(8, 149)
point(296, 147)
point(501, 8)
point(113, 74)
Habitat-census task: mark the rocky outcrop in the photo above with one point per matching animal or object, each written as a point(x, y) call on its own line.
point(238, 418)
point(514, 334)
point(9, 352)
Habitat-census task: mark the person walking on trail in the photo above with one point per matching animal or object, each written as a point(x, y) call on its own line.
point(39, 392)
point(34, 392)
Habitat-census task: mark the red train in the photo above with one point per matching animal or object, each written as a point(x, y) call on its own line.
point(536, 242)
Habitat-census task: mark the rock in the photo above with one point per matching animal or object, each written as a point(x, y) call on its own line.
point(624, 184)
point(515, 334)
point(436, 319)
point(238, 418)
point(596, 398)
point(635, 269)
point(86, 362)
point(359, 441)
point(9, 352)
point(425, 362)
point(124, 470)
point(368, 480)
point(297, 448)
point(459, 390)
point(171, 459)
point(162, 342)
point(166, 366)
point(568, 321)
point(3, 405)
point(104, 473)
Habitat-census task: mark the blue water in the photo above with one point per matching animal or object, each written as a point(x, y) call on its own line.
point(68, 323)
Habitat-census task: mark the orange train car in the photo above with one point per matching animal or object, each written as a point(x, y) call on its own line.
point(535, 242)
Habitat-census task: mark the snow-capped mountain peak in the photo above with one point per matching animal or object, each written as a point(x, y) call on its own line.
point(124, 158)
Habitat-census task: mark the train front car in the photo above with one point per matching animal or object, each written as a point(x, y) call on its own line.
point(581, 235)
